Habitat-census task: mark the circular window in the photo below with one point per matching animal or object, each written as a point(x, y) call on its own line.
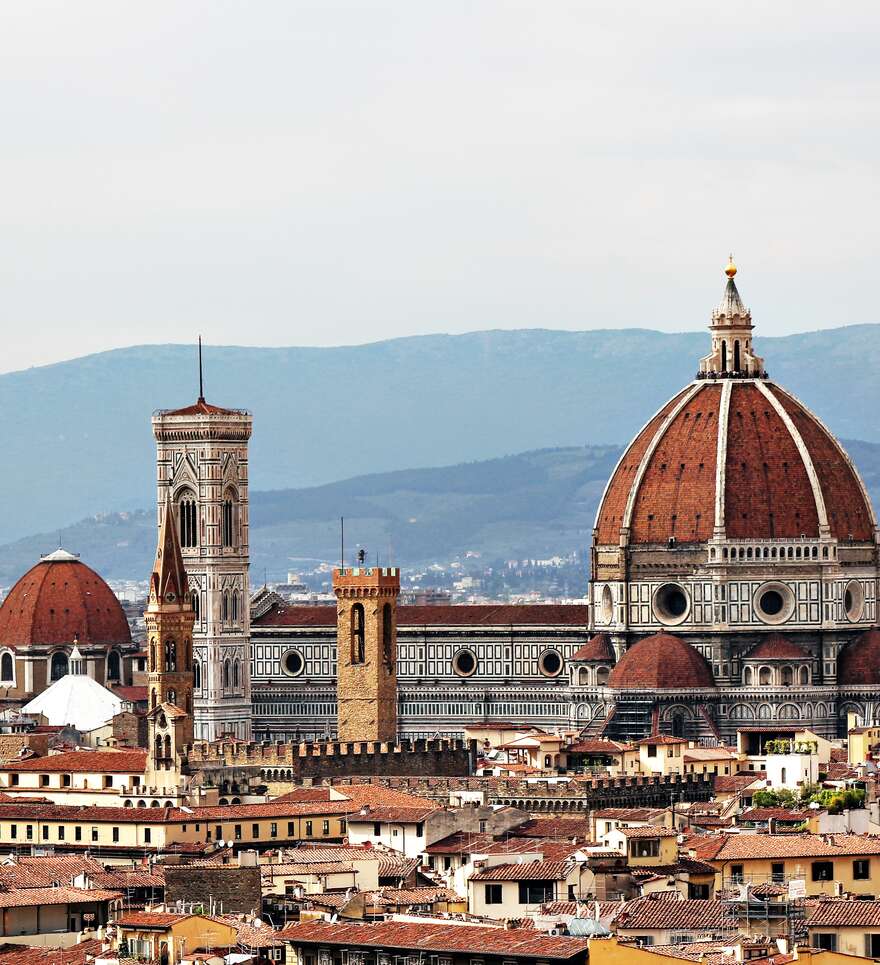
point(671, 604)
point(292, 663)
point(550, 663)
point(606, 605)
point(464, 663)
point(854, 601)
point(774, 603)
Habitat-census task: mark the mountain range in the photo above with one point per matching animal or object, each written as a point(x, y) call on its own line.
point(529, 506)
point(76, 435)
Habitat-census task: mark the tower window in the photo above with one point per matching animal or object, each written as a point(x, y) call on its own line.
point(6, 667)
point(227, 526)
point(234, 606)
point(358, 640)
point(226, 675)
point(387, 634)
point(236, 671)
point(197, 675)
point(194, 598)
point(187, 518)
point(170, 655)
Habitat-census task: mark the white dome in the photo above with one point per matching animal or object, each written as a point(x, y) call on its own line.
point(75, 700)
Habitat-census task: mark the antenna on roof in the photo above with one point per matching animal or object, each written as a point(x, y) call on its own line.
point(201, 380)
point(342, 542)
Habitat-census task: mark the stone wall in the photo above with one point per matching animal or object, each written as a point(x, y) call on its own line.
point(227, 762)
point(230, 887)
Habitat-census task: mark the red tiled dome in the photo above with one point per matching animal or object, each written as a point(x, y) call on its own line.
point(597, 649)
point(58, 599)
point(860, 662)
point(664, 485)
point(777, 647)
point(661, 662)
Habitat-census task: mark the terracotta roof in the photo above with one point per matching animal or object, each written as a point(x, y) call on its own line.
point(79, 954)
point(59, 600)
point(389, 814)
point(128, 878)
point(596, 745)
point(135, 695)
point(859, 662)
point(597, 649)
point(551, 849)
point(585, 908)
point(649, 832)
point(394, 897)
point(84, 762)
point(708, 754)
point(767, 494)
point(655, 739)
point(31, 871)
point(775, 814)
point(461, 842)
point(149, 919)
point(743, 846)
point(844, 913)
point(661, 662)
point(732, 783)
point(661, 912)
point(631, 814)
point(304, 794)
point(776, 647)
point(527, 871)
point(200, 407)
point(501, 614)
point(562, 828)
point(437, 937)
point(22, 897)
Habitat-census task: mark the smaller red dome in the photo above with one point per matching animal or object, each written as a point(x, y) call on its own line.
point(597, 649)
point(58, 600)
point(661, 662)
point(777, 647)
point(860, 661)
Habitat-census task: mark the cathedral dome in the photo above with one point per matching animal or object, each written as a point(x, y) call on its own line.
point(59, 600)
point(860, 661)
point(661, 662)
point(733, 455)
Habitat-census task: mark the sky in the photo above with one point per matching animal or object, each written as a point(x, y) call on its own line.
point(297, 173)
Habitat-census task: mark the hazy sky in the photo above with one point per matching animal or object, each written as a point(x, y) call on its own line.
point(324, 173)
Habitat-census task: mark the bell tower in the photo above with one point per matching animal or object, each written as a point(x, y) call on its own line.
point(169, 621)
point(366, 653)
point(202, 460)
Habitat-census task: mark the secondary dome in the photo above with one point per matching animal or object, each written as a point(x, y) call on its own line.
point(733, 455)
point(60, 600)
point(860, 661)
point(777, 647)
point(597, 649)
point(661, 662)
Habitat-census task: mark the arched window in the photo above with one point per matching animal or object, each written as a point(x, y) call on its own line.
point(114, 669)
point(153, 699)
point(602, 676)
point(234, 606)
point(226, 675)
point(172, 697)
point(197, 675)
point(154, 666)
point(187, 519)
point(724, 356)
point(227, 526)
point(236, 674)
point(787, 676)
point(583, 677)
point(747, 677)
point(168, 746)
point(157, 748)
point(736, 359)
point(170, 655)
point(358, 639)
point(59, 665)
point(224, 606)
point(764, 677)
point(677, 725)
point(387, 634)
point(6, 667)
point(805, 676)
point(194, 599)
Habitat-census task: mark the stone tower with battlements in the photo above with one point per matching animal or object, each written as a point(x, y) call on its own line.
point(202, 464)
point(366, 652)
